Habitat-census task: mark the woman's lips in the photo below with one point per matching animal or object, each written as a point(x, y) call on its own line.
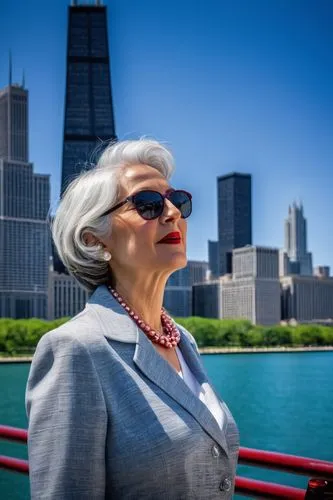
point(171, 239)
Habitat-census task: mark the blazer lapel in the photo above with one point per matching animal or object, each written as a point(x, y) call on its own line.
point(159, 371)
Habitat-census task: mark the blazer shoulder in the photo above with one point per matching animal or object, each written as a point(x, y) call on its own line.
point(84, 329)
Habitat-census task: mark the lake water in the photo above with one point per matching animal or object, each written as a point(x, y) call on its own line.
point(281, 402)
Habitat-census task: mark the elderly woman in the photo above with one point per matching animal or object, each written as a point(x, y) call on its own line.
point(119, 403)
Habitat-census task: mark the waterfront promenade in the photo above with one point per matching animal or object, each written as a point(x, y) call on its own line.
point(211, 350)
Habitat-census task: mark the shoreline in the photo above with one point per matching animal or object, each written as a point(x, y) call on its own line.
point(250, 350)
point(213, 350)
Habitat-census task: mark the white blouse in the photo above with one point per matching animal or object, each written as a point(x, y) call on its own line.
point(213, 404)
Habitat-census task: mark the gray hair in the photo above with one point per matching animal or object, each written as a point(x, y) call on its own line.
point(91, 194)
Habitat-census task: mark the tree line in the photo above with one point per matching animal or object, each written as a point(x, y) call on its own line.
point(20, 337)
point(242, 333)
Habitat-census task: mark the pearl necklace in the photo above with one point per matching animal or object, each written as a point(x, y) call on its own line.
point(170, 336)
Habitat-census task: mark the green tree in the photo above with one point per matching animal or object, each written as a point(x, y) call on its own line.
point(255, 336)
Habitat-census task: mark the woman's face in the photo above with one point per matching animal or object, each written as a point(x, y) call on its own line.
point(134, 242)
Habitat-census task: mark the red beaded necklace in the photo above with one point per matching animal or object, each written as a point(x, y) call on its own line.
point(170, 336)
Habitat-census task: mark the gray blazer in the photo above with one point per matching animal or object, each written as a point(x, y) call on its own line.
point(109, 418)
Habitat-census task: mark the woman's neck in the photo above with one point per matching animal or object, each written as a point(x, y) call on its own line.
point(145, 297)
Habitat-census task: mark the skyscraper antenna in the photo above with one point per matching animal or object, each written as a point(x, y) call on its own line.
point(10, 68)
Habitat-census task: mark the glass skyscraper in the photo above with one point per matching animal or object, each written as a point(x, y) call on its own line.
point(89, 121)
point(234, 194)
point(24, 205)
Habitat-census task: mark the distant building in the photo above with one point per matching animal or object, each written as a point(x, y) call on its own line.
point(322, 271)
point(66, 297)
point(300, 260)
point(255, 262)
point(253, 292)
point(284, 263)
point(234, 216)
point(24, 206)
point(207, 299)
point(213, 259)
point(14, 132)
point(253, 299)
point(307, 298)
point(194, 272)
point(178, 290)
point(178, 301)
point(89, 116)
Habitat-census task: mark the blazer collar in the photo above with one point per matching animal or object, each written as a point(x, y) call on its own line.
point(115, 321)
point(118, 326)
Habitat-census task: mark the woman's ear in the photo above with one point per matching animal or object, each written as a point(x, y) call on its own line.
point(89, 239)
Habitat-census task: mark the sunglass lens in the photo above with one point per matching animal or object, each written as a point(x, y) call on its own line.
point(182, 201)
point(149, 204)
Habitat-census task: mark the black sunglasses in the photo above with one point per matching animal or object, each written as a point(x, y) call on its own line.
point(150, 204)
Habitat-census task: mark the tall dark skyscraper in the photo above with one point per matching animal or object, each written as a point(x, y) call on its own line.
point(89, 121)
point(234, 194)
point(88, 104)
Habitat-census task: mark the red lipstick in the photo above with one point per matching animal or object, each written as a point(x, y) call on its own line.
point(173, 238)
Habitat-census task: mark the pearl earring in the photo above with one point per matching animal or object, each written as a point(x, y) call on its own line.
point(107, 256)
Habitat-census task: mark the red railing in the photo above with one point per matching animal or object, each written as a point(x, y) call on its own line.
point(17, 436)
point(320, 487)
point(321, 469)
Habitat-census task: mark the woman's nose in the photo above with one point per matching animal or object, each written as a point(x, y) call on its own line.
point(170, 211)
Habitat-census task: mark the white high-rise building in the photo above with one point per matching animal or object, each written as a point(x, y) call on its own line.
point(295, 242)
point(253, 292)
point(255, 262)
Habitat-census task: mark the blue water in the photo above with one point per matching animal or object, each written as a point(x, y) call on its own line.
point(281, 402)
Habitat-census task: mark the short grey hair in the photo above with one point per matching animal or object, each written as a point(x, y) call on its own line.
point(91, 194)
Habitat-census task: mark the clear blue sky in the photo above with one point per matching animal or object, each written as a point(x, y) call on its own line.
point(228, 85)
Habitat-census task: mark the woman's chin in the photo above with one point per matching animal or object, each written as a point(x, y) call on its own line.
point(176, 261)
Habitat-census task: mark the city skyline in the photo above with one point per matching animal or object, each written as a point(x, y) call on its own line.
point(287, 149)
